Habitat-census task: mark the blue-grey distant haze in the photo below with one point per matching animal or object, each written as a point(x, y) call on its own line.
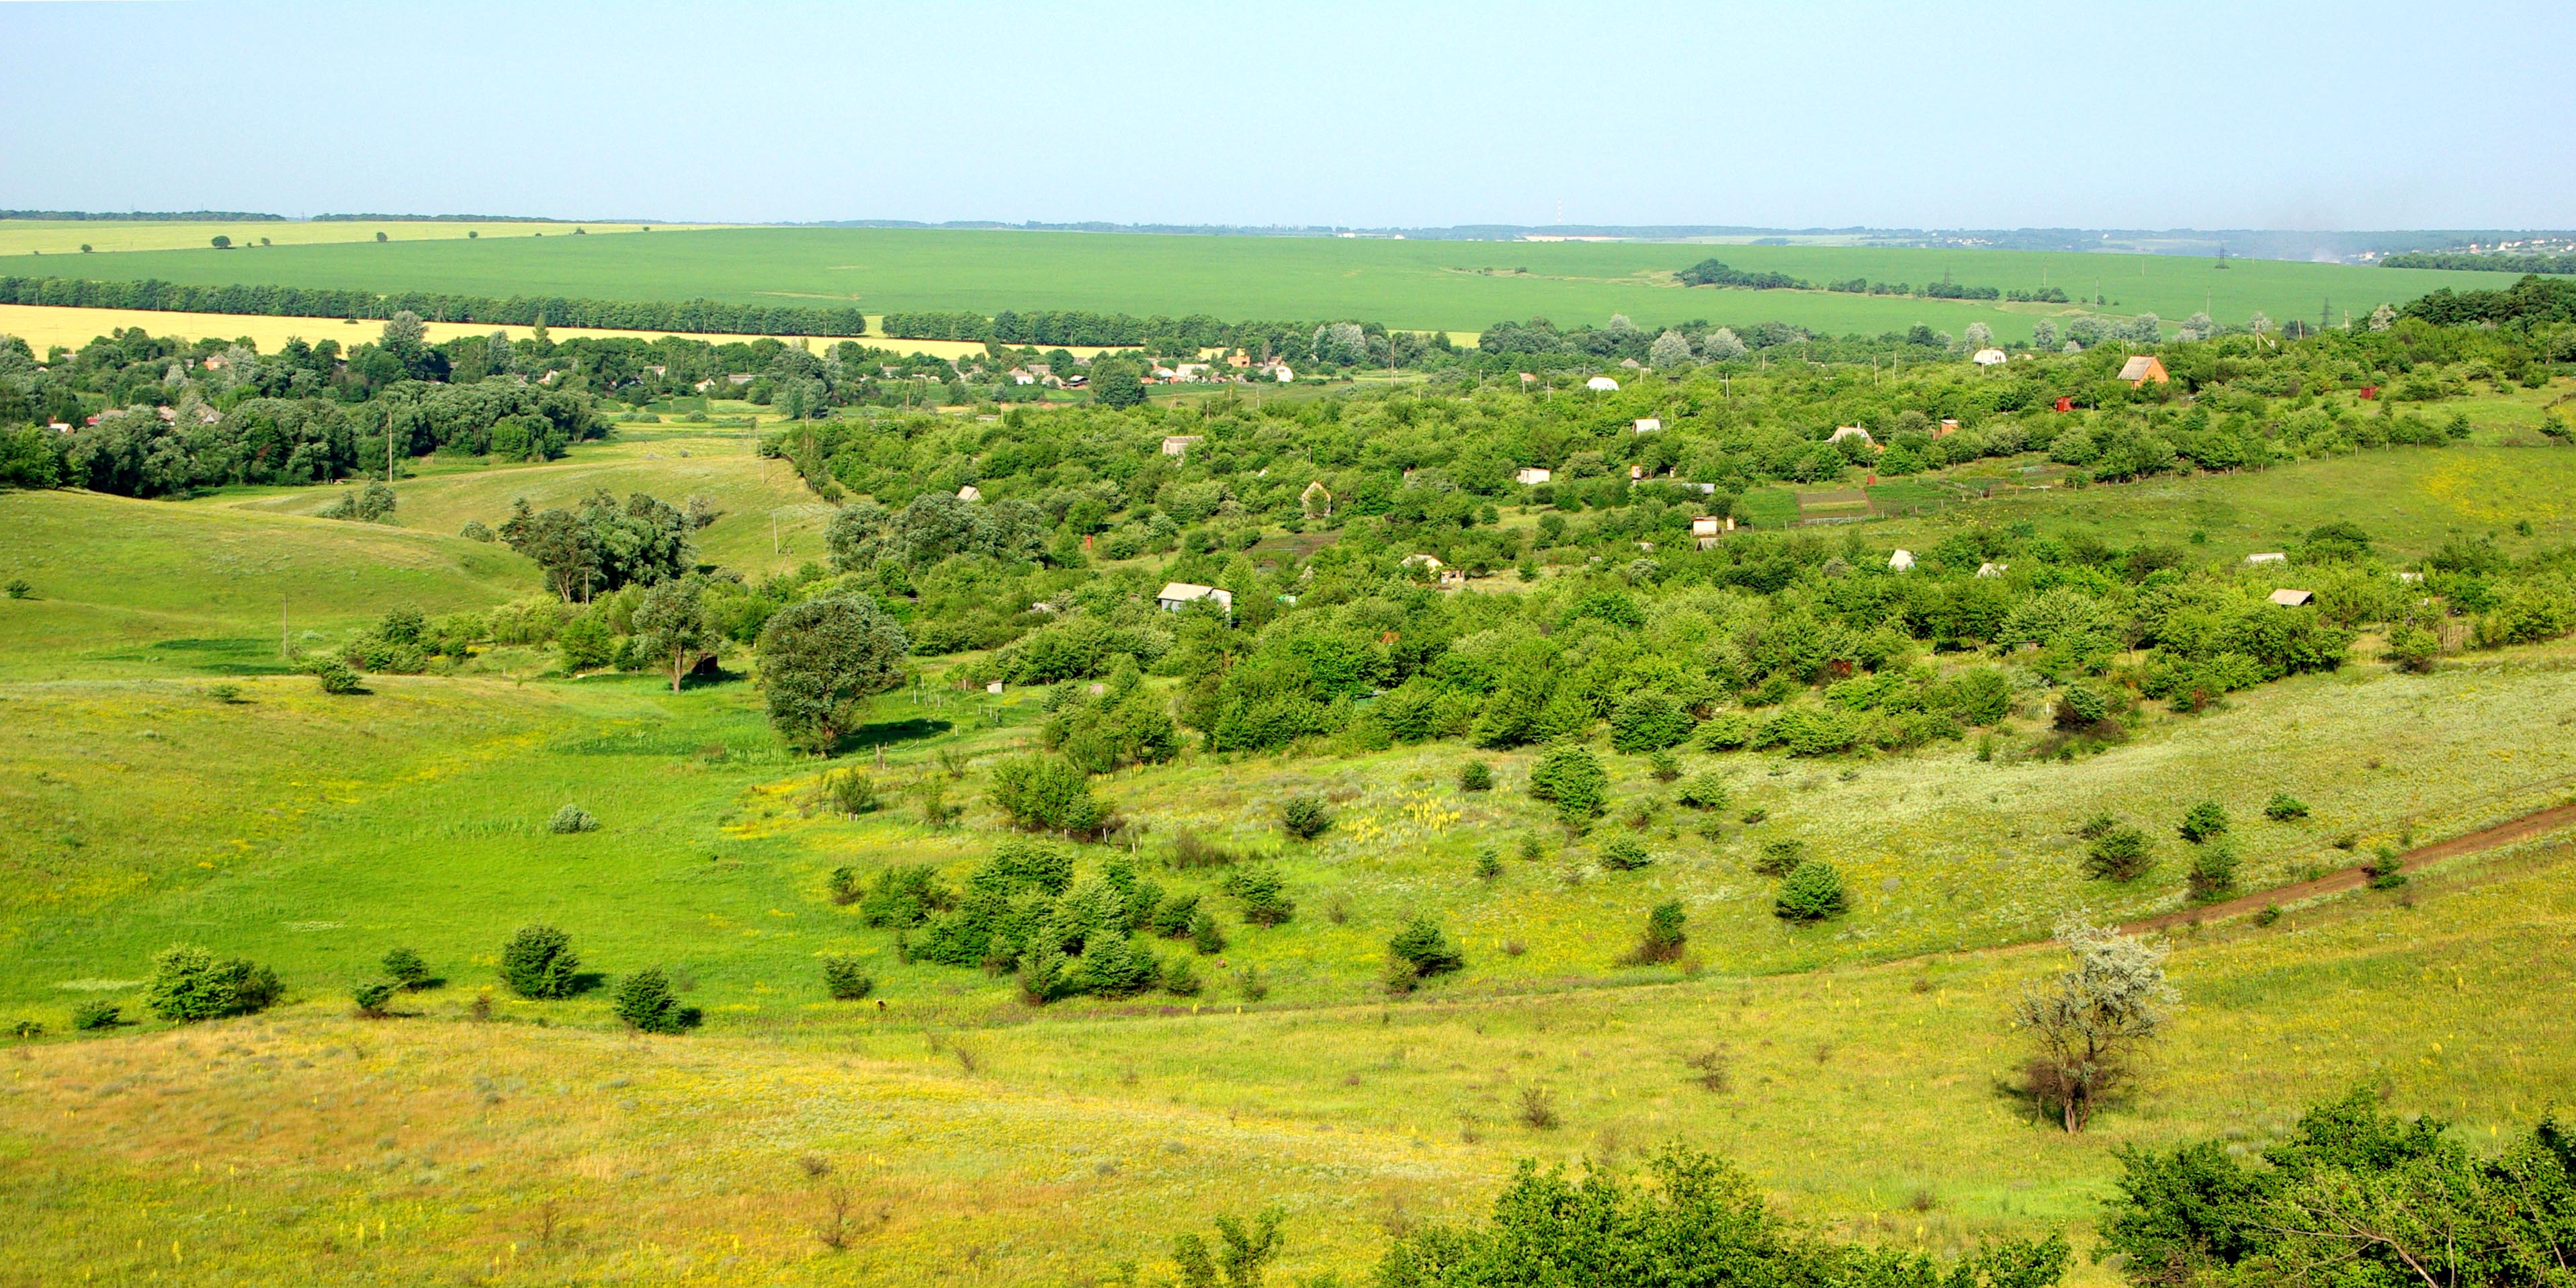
point(1995, 114)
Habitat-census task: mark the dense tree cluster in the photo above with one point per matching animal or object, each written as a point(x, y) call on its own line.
point(518, 310)
point(2352, 1195)
point(145, 416)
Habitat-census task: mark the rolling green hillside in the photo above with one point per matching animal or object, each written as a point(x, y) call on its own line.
point(121, 585)
point(1461, 286)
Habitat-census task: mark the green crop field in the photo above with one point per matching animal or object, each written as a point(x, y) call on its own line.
point(1457, 285)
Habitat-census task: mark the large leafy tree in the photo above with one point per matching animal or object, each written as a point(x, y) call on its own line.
point(820, 662)
point(672, 628)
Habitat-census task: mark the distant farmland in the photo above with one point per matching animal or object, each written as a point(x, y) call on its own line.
point(1426, 285)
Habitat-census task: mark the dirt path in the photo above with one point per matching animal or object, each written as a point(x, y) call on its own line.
point(2505, 833)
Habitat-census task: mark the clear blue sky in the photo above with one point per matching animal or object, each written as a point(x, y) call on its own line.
point(2003, 113)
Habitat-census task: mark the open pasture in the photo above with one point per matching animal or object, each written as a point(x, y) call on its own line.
point(768, 521)
point(122, 586)
point(1460, 286)
point(1869, 1101)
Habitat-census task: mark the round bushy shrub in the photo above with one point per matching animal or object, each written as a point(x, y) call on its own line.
point(2079, 707)
point(2213, 872)
point(2120, 854)
point(405, 967)
point(1664, 935)
point(1813, 891)
point(371, 997)
point(538, 962)
point(1422, 948)
point(2203, 821)
point(647, 1004)
point(844, 979)
point(1704, 790)
point(90, 1016)
point(1305, 817)
point(333, 675)
point(1475, 776)
point(2284, 807)
point(1624, 854)
point(572, 818)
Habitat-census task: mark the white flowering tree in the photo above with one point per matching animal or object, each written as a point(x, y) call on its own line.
point(2091, 1023)
point(1669, 350)
point(1721, 345)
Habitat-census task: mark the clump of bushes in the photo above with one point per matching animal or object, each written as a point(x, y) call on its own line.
point(94, 1015)
point(538, 962)
point(1813, 891)
point(1475, 776)
point(20, 588)
point(845, 979)
point(1571, 777)
point(646, 1004)
point(2284, 808)
point(333, 675)
point(1420, 951)
point(1304, 818)
point(571, 819)
point(189, 984)
point(1649, 721)
point(1040, 792)
point(1489, 864)
point(2120, 852)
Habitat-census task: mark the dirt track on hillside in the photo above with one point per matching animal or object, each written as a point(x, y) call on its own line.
point(2502, 834)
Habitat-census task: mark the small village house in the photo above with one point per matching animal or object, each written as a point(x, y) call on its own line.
point(1988, 357)
point(1648, 424)
point(1316, 500)
point(970, 492)
point(2267, 557)
point(1532, 475)
point(2143, 368)
point(1901, 561)
point(1178, 595)
point(1180, 444)
point(1602, 384)
point(2288, 598)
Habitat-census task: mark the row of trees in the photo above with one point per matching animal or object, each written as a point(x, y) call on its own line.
point(699, 315)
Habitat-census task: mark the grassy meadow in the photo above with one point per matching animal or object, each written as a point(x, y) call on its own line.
point(162, 780)
point(671, 461)
point(1459, 286)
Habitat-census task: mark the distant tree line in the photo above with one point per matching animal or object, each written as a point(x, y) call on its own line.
point(2484, 263)
point(1713, 272)
point(698, 316)
point(2534, 299)
point(146, 216)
